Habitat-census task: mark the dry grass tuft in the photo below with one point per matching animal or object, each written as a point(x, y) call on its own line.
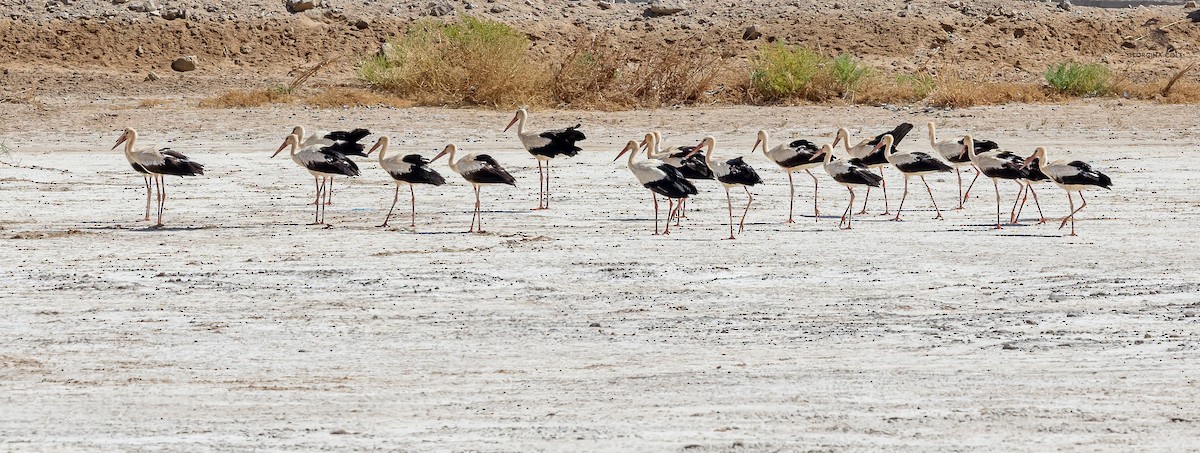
point(151, 103)
point(956, 92)
point(247, 99)
point(598, 74)
point(903, 88)
point(475, 62)
point(354, 97)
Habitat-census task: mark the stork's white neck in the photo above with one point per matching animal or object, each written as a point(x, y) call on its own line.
point(932, 136)
point(129, 142)
point(383, 147)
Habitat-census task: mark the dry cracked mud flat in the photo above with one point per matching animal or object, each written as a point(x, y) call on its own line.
point(239, 327)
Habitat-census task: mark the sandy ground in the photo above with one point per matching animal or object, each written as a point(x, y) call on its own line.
point(239, 327)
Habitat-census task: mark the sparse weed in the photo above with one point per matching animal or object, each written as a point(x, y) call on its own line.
point(246, 99)
point(1079, 79)
point(781, 72)
point(847, 73)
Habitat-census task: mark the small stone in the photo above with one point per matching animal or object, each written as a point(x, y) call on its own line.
point(139, 52)
point(339, 432)
point(666, 7)
point(604, 5)
point(1190, 5)
point(151, 77)
point(362, 24)
point(1064, 5)
point(1189, 314)
point(246, 48)
point(1129, 44)
point(1008, 346)
point(439, 8)
point(594, 324)
point(948, 28)
point(184, 64)
point(497, 9)
point(385, 49)
point(173, 13)
point(299, 6)
point(752, 32)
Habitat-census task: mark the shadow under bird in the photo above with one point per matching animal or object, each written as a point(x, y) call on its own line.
point(406, 170)
point(153, 162)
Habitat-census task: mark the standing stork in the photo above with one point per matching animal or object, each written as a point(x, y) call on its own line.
point(850, 173)
point(322, 162)
point(731, 173)
point(1035, 176)
point(870, 155)
point(996, 164)
point(913, 163)
point(692, 168)
point(345, 142)
point(479, 170)
point(791, 157)
point(153, 162)
point(661, 179)
point(544, 146)
point(952, 151)
point(405, 170)
point(1072, 176)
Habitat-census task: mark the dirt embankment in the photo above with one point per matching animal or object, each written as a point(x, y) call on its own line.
point(994, 40)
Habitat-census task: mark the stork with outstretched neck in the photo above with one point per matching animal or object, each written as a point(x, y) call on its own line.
point(545, 146)
point(793, 156)
point(154, 162)
point(730, 173)
point(1072, 176)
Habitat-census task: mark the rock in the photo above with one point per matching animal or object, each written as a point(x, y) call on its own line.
point(1190, 5)
point(1064, 5)
point(184, 64)
point(151, 77)
point(385, 49)
point(339, 432)
point(139, 52)
point(604, 5)
point(173, 13)
point(143, 7)
point(594, 324)
point(439, 8)
point(1129, 44)
point(948, 28)
point(246, 48)
point(1008, 346)
point(299, 6)
point(497, 9)
point(361, 24)
point(752, 32)
point(666, 7)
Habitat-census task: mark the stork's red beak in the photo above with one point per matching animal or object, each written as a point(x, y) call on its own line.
point(445, 151)
point(511, 123)
point(818, 154)
point(755, 148)
point(373, 148)
point(1028, 161)
point(964, 151)
point(281, 147)
point(120, 141)
point(695, 150)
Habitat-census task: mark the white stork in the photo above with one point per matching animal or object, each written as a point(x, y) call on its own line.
point(692, 168)
point(153, 162)
point(345, 142)
point(871, 156)
point(322, 162)
point(791, 157)
point(730, 173)
point(913, 163)
point(661, 179)
point(1035, 176)
point(405, 170)
point(996, 164)
point(544, 146)
point(952, 151)
point(1071, 176)
point(850, 173)
point(479, 170)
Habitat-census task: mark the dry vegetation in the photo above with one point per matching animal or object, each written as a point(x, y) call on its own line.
point(478, 62)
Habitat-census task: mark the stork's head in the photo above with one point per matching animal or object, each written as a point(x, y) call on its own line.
point(708, 141)
point(128, 135)
point(449, 149)
point(647, 142)
point(825, 149)
point(1039, 153)
point(380, 144)
point(762, 138)
point(842, 134)
point(885, 143)
point(968, 143)
point(519, 116)
point(631, 147)
point(298, 131)
point(292, 140)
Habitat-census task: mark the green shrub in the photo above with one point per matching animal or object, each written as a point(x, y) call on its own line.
point(847, 72)
point(780, 71)
point(1079, 79)
point(474, 62)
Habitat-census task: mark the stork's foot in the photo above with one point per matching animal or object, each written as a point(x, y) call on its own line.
point(1042, 221)
point(939, 217)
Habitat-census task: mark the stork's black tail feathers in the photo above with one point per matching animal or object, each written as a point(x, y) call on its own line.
point(346, 142)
